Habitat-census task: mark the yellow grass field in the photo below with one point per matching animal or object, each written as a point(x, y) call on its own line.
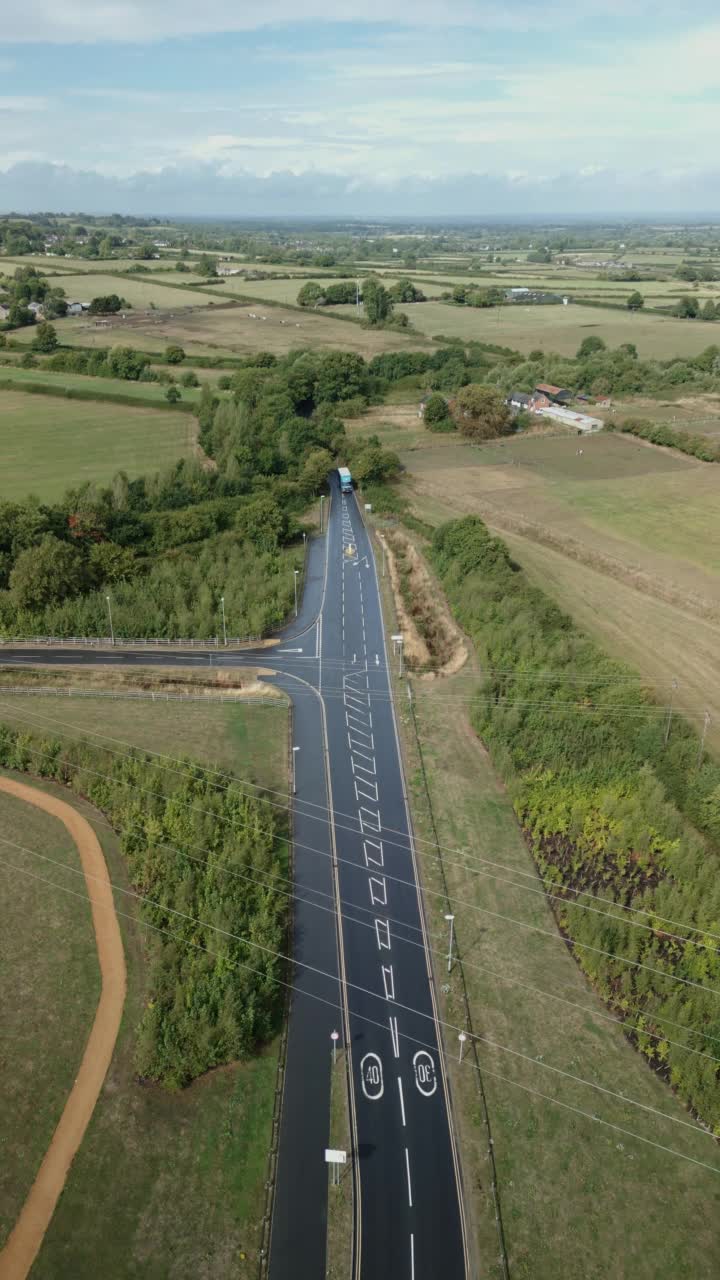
point(626, 538)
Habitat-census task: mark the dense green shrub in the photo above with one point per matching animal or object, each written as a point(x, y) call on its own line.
point(606, 808)
point(703, 447)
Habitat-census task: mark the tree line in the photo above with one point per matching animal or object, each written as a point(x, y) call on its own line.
point(607, 807)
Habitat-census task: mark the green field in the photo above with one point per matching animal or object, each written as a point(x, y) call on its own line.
point(141, 391)
point(164, 1184)
point(49, 989)
point(48, 444)
point(140, 291)
point(562, 329)
point(249, 740)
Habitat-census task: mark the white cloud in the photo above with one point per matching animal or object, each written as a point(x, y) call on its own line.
point(21, 104)
point(143, 21)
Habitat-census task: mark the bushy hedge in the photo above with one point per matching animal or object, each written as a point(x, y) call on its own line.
point(606, 807)
point(191, 842)
point(703, 447)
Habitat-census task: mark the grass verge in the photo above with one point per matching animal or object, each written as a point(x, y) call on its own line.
point(340, 1196)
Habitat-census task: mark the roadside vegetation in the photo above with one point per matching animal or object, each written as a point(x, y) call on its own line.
point(608, 809)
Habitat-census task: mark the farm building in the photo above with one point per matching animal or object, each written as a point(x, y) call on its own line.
point(582, 421)
point(520, 400)
point(555, 395)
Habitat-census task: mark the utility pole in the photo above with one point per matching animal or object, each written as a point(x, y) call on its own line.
point(296, 572)
point(451, 921)
point(462, 1038)
point(706, 722)
point(222, 606)
point(112, 632)
point(673, 689)
point(357, 294)
point(400, 666)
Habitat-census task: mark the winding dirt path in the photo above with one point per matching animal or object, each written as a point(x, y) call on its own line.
point(24, 1241)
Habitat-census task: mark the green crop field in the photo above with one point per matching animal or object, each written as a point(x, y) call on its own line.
point(48, 444)
point(562, 329)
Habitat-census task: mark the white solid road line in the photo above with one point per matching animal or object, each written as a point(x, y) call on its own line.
point(412, 1256)
point(395, 1037)
point(402, 1101)
point(407, 1166)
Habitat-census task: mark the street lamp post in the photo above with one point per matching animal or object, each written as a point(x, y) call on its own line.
point(294, 770)
point(112, 632)
point(334, 1036)
point(222, 606)
point(451, 921)
point(296, 572)
point(322, 499)
point(462, 1038)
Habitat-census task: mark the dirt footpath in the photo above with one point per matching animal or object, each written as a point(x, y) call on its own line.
point(27, 1235)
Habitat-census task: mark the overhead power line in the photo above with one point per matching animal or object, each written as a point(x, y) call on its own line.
point(469, 863)
point(412, 1039)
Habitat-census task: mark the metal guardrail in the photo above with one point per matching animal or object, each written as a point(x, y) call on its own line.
point(130, 642)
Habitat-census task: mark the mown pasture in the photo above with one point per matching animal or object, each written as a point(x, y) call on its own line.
point(48, 443)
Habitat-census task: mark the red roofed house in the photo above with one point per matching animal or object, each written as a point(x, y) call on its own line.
point(554, 395)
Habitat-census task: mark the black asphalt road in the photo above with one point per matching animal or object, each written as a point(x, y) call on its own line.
point(333, 664)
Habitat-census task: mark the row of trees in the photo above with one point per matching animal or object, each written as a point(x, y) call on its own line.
point(206, 860)
point(606, 807)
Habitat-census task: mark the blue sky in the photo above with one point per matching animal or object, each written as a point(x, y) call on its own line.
point(329, 106)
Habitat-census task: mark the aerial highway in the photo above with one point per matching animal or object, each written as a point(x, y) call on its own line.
point(362, 967)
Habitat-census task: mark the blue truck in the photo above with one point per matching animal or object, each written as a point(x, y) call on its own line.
point(346, 484)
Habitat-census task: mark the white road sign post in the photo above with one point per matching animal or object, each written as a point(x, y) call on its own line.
point(335, 1158)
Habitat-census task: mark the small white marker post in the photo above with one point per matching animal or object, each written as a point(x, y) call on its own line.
point(398, 648)
point(294, 773)
point(335, 1159)
point(451, 922)
point(462, 1038)
point(334, 1036)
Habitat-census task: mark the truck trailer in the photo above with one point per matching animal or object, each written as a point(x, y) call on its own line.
point(346, 484)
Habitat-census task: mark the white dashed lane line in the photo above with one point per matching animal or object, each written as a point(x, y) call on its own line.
point(402, 1101)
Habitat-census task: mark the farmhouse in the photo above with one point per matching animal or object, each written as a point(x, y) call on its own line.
point(554, 395)
point(77, 308)
point(520, 400)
